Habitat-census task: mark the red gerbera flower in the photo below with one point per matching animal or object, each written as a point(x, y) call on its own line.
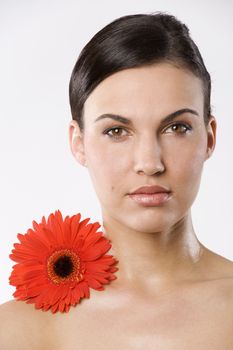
point(59, 260)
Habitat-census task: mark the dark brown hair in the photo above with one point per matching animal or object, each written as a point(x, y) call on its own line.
point(132, 41)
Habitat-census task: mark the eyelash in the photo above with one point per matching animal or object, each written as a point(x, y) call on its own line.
point(188, 128)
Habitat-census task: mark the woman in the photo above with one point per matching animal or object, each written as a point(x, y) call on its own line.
point(142, 125)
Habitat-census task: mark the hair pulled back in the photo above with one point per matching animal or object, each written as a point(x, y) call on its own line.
point(132, 41)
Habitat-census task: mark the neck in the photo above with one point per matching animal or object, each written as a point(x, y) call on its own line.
point(155, 259)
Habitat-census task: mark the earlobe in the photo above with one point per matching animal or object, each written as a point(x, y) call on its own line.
point(76, 142)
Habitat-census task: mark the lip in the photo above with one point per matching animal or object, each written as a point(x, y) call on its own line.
point(150, 199)
point(150, 190)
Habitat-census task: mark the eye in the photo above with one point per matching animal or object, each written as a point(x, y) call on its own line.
point(184, 128)
point(117, 135)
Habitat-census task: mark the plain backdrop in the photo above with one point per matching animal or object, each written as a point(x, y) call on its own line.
point(39, 43)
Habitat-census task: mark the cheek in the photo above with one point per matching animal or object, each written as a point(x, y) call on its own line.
point(106, 169)
point(186, 169)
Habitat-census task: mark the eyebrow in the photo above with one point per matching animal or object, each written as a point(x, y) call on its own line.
point(168, 118)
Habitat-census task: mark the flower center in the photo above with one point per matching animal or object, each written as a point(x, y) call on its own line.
point(64, 266)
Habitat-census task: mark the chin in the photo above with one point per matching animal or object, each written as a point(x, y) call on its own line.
point(153, 228)
point(148, 224)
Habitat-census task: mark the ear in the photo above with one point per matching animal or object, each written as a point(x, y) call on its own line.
point(211, 136)
point(77, 142)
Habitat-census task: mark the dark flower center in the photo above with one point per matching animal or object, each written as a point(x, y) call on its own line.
point(63, 266)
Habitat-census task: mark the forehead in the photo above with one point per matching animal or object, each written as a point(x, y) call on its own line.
point(160, 86)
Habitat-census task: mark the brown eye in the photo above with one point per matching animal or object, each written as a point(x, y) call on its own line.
point(116, 134)
point(182, 128)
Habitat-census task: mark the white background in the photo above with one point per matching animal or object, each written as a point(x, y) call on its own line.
point(39, 44)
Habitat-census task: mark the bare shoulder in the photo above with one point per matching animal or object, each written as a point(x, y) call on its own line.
point(217, 265)
point(22, 326)
point(220, 271)
point(228, 283)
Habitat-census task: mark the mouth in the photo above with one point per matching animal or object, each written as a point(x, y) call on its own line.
point(150, 199)
point(148, 189)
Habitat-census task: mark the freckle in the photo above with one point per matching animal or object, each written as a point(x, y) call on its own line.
point(112, 188)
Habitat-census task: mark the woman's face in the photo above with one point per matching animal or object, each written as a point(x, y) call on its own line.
point(146, 150)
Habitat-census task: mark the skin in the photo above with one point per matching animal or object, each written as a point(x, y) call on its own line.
point(170, 289)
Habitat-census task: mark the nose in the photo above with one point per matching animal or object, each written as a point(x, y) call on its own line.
point(148, 157)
